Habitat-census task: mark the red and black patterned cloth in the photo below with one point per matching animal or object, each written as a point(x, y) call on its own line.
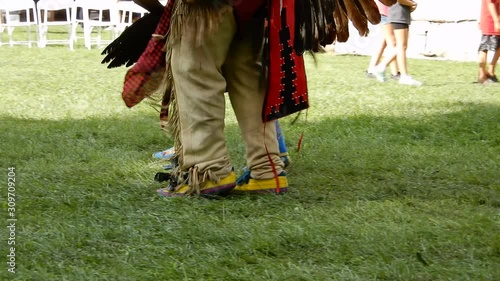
point(140, 80)
point(287, 85)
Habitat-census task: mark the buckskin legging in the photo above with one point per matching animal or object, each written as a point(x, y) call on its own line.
point(201, 76)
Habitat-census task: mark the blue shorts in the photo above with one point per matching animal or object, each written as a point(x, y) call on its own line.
point(384, 20)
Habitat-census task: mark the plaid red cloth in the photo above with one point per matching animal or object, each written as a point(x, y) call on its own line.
point(145, 76)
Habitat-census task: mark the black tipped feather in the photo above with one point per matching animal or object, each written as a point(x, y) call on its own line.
point(320, 19)
point(128, 47)
point(300, 27)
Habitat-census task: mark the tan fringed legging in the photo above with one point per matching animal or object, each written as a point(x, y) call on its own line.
point(201, 75)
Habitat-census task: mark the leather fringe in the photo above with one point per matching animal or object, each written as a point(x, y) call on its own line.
point(191, 23)
point(194, 22)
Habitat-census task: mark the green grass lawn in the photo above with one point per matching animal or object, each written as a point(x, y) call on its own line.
point(392, 182)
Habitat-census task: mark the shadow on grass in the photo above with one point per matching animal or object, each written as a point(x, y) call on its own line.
point(355, 158)
point(373, 158)
point(87, 204)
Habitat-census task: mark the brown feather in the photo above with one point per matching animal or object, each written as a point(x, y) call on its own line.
point(359, 21)
point(360, 8)
point(388, 2)
point(371, 11)
point(330, 35)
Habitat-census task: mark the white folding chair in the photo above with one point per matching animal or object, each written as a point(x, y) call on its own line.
point(97, 7)
point(127, 9)
point(2, 25)
point(46, 6)
point(11, 12)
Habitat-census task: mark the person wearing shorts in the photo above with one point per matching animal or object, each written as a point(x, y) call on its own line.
point(387, 40)
point(489, 24)
point(400, 19)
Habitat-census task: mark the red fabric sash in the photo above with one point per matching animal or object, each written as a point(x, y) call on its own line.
point(287, 84)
